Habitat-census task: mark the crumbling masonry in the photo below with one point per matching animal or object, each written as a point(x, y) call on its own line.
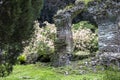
point(106, 14)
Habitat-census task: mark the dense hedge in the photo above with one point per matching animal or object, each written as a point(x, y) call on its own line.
point(16, 29)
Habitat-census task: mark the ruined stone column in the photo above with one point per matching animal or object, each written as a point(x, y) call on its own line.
point(64, 41)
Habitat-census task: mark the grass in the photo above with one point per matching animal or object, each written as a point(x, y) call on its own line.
point(42, 71)
point(86, 1)
point(112, 74)
point(37, 72)
point(82, 53)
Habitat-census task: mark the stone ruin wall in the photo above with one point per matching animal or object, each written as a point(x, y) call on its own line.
point(107, 16)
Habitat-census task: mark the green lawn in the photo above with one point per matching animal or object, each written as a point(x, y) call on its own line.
point(42, 71)
point(34, 72)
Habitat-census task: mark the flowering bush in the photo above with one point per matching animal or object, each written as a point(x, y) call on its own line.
point(85, 37)
point(43, 41)
point(85, 40)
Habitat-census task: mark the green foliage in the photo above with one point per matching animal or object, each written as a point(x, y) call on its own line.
point(85, 37)
point(37, 6)
point(22, 59)
point(44, 49)
point(85, 1)
point(5, 69)
point(42, 44)
point(69, 7)
point(16, 25)
point(111, 74)
point(85, 25)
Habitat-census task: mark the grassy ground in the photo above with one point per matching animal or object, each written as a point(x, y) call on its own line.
point(41, 72)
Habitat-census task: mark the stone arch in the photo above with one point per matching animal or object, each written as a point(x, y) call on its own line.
point(107, 16)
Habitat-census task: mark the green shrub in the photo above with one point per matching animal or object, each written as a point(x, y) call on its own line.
point(111, 74)
point(22, 59)
point(84, 25)
point(85, 37)
point(42, 44)
point(5, 69)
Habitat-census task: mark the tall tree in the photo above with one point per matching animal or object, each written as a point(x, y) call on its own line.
point(16, 29)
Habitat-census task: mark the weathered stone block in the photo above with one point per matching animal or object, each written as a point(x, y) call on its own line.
point(109, 37)
point(109, 48)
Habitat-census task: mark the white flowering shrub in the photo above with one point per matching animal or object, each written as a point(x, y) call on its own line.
point(43, 41)
point(85, 37)
point(85, 40)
